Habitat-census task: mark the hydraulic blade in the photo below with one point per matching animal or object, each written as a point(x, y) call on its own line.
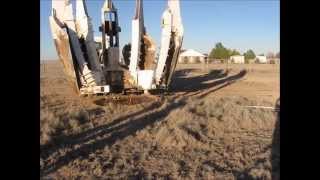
point(165, 42)
point(62, 16)
point(62, 45)
point(171, 41)
point(137, 33)
point(85, 33)
point(177, 28)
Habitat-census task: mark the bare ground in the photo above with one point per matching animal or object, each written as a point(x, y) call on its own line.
point(201, 130)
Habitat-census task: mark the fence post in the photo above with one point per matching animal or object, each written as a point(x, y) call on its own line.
point(227, 66)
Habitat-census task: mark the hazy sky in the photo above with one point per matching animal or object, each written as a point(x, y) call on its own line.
point(238, 24)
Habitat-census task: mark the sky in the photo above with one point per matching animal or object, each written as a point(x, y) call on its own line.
point(238, 24)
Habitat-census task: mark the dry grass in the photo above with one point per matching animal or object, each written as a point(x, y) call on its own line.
point(186, 137)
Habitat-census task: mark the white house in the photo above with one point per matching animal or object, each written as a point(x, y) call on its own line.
point(191, 56)
point(238, 59)
point(261, 59)
point(98, 41)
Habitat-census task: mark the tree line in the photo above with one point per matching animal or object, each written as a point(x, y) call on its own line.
point(221, 52)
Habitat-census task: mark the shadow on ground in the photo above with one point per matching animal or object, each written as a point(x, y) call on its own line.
point(128, 125)
point(115, 133)
point(275, 152)
point(183, 83)
point(203, 85)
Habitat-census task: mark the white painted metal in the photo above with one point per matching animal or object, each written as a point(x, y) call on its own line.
point(165, 42)
point(56, 29)
point(59, 8)
point(145, 79)
point(177, 30)
point(135, 49)
point(174, 6)
point(80, 28)
point(172, 31)
point(61, 41)
point(85, 31)
point(67, 18)
point(62, 17)
point(137, 33)
point(62, 14)
point(95, 90)
point(98, 39)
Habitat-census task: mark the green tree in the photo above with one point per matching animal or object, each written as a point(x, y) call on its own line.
point(126, 52)
point(219, 52)
point(233, 52)
point(249, 55)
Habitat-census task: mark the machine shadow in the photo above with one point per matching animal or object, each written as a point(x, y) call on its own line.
point(68, 141)
point(125, 126)
point(113, 133)
point(275, 151)
point(225, 82)
point(199, 85)
point(182, 83)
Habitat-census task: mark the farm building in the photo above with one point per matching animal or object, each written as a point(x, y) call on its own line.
point(191, 56)
point(238, 59)
point(250, 61)
point(261, 59)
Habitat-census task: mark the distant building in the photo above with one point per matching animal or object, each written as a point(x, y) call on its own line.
point(191, 56)
point(251, 61)
point(238, 59)
point(261, 59)
point(274, 61)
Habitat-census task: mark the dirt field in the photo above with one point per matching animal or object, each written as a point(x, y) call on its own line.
point(202, 129)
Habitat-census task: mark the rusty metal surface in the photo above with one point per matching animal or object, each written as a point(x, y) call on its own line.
point(63, 50)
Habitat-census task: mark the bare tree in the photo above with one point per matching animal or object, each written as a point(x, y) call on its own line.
point(270, 55)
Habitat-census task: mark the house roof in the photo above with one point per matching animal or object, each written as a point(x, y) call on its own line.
point(191, 52)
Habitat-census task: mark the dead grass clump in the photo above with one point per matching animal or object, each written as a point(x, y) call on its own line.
point(55, 124)
point(73, 121)
point(48, 124)
point(80, 116)
point(201, 121)
point(262, 170)
point(232, 113)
